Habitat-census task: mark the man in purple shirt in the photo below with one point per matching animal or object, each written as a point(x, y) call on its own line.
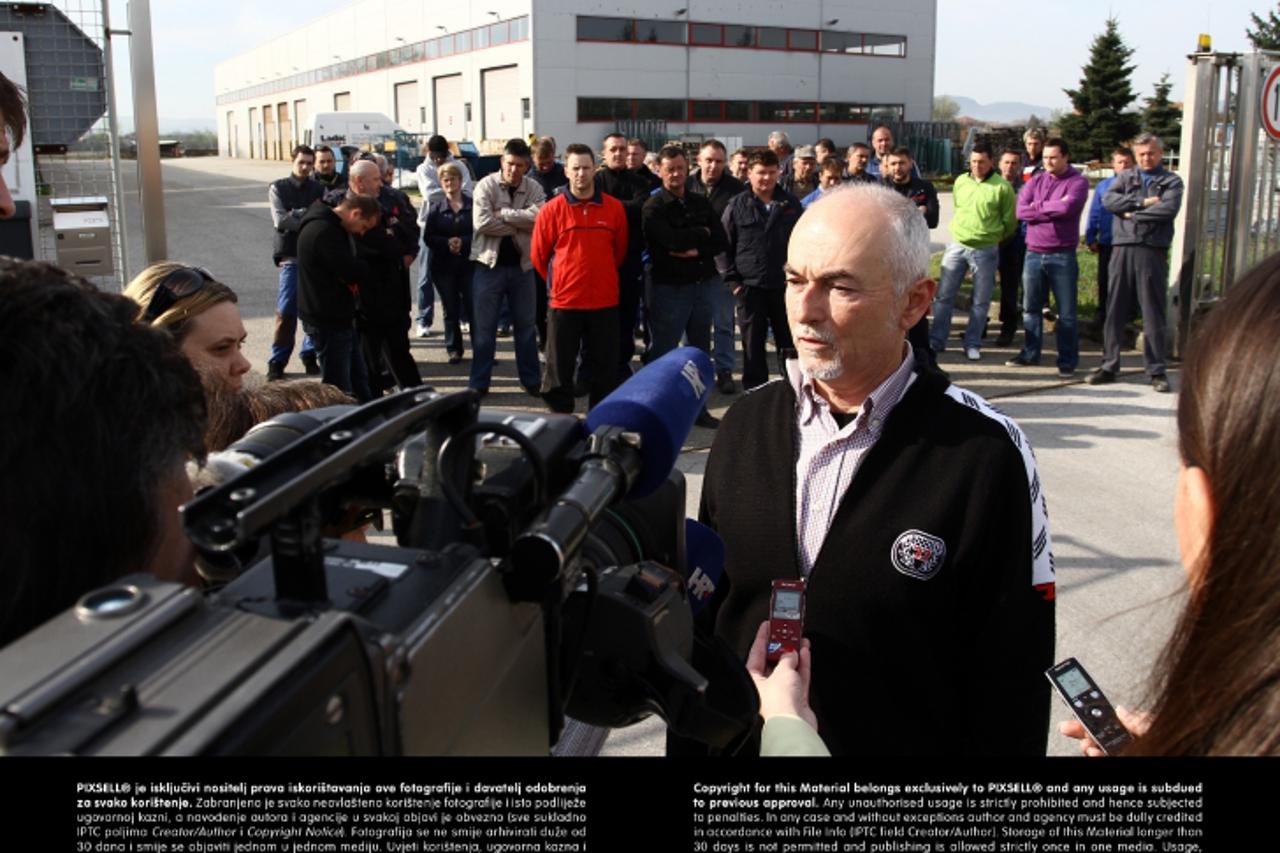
point(1050, 204)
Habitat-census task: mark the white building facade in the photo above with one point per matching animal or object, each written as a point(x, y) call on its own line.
point(578, 69)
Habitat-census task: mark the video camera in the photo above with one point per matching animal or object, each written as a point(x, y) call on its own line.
point(539, 570)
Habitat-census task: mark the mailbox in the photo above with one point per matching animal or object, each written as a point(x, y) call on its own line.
point(82, 228)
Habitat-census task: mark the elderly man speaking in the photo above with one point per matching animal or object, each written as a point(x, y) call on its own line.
point(911, 508)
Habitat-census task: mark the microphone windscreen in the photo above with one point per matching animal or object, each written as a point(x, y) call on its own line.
point(704, 551)
point(660, 402)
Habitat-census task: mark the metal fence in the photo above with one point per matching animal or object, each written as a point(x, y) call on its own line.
point(1230, 219)
point(69, 81)
point(936, 146)
point(652, 131)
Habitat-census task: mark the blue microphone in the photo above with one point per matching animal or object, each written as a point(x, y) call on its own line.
point(660, 404)
point(635, 436)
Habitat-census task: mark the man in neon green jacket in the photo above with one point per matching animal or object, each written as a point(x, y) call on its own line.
point(985, 214)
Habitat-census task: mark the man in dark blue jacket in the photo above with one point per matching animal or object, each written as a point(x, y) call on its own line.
point(1097, 231)
point(758, 225)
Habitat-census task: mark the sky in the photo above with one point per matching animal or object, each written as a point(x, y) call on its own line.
point(994, 50)
point(988, 50)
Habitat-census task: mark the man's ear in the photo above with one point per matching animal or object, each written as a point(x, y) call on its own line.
point(916, 302)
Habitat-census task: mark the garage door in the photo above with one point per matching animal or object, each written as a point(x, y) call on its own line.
point(271, 142)
point(300, 128)
point(407, 106)
point(448, 106)
point(502, 102)
point(286, 131)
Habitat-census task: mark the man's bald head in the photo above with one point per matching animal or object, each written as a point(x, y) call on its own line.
point(901, 232)
point(857, 280)
point(365, 177)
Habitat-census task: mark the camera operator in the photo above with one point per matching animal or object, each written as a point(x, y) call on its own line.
point(100, 416)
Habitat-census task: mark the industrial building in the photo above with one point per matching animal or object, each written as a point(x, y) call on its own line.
point(488, 70)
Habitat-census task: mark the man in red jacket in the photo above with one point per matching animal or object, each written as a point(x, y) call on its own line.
point(579, 241)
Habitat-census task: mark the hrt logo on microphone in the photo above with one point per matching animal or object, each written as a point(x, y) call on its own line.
point(694, 378)
point(700, 586)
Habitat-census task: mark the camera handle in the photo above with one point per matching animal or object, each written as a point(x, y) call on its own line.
point(282, 493)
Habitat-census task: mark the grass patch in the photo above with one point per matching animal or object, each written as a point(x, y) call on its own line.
point(1086, 287)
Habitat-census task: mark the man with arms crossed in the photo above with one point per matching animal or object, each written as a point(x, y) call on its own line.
point(503, 209)
point(912, 508)
point(290, 197)
point(1051, 204)
point(1145, 201)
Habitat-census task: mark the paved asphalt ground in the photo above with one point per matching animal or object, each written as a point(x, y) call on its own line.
point(1107, 456)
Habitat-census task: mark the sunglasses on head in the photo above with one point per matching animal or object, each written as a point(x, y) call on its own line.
point(174, 287)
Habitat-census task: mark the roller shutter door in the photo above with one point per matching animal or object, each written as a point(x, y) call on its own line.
point(407, 115)
point(501, 102)
point(270, 142)
point(448, 106)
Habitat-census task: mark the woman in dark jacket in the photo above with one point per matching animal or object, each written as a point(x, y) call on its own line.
point(447, 233)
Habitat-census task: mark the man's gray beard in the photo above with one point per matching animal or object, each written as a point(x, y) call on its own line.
point(823, 371)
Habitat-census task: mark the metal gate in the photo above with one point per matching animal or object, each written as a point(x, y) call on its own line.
point(1230, 217)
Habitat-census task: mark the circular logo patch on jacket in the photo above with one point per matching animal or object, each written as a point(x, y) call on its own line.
point(918, 554)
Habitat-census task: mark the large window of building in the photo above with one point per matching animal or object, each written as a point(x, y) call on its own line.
point(706, 34)
point(604, 109)
point(762, 112)
point(666, 109)
point(606, 29)
point(661, 32)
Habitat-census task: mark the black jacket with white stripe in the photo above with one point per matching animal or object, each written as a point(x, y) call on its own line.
point(930, 606)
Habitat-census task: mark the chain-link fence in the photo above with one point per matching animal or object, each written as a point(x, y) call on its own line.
point(68, 83)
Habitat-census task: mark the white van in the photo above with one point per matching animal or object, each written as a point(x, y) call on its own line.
point(363, 130)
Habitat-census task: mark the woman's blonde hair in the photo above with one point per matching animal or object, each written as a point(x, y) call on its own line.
point(176, 317)
point(449, 169)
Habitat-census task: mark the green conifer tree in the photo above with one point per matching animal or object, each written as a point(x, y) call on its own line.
point(1101, 118)
point(1265, 34)
point(1161, 117)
